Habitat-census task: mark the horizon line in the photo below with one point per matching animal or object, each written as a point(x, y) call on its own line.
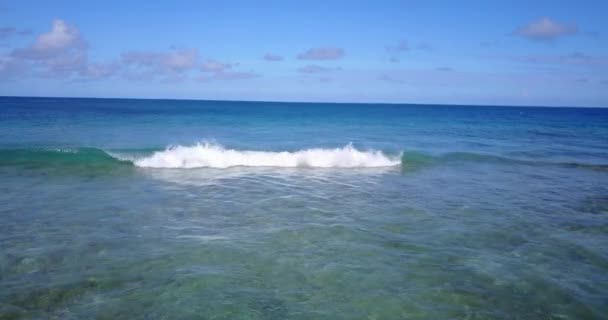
point(312, 102)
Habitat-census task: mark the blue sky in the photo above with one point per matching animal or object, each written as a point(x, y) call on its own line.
point(552, 53)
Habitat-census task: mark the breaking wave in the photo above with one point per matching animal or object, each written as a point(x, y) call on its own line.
point(207, 155)
point(216, 156)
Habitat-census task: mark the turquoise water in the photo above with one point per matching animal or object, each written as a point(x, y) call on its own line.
point(149, 209)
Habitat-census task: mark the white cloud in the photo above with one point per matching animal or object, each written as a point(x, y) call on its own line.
point(61, 40)
point(216, 70)
point(311, 68)
point(60, 37)
point(99, 70)
point(10, 67)
point(166, 66)
point(575, 58)
point(60, 52)
point(215, 66)
point(322, 53)
point(173, 61)
point(444, 69)
point(546, 29)
point(273, 57)
point(181, 60)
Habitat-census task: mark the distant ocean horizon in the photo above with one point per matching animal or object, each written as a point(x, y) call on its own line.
point(404, 103)
point(136, 208)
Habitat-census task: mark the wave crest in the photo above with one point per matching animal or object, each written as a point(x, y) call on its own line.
point(216, 156)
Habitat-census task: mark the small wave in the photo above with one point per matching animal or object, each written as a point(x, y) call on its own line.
point(208, 155)
point(216, 156)
point(58, 157)
point(415, 160)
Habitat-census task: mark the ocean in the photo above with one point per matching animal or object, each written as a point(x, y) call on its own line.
point(168, 209)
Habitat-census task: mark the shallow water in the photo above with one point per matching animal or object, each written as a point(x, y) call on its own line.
point(485, 218)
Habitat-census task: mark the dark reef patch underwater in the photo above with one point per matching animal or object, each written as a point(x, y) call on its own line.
point(149, 209)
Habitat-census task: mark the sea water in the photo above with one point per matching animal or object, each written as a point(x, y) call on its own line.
point(147, 209)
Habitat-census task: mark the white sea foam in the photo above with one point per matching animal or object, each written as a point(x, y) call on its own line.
point(215, 156)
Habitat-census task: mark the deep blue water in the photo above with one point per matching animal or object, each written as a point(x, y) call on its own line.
point(433, 212)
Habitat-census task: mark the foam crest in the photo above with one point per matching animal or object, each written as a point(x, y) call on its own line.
point(215, 156)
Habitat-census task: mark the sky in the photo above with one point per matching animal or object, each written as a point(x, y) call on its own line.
point(541, 53)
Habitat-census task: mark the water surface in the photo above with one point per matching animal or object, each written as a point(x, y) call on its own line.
point(477, 213)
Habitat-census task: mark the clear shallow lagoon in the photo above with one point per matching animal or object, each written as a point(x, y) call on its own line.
point(489, 212)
